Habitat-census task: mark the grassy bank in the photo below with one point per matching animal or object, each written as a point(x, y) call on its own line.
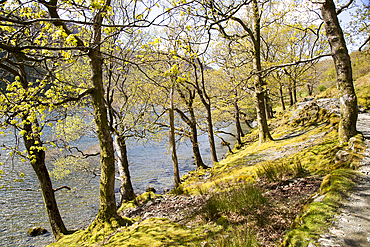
point(284, 192)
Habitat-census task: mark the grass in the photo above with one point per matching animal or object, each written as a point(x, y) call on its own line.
point(243, 198)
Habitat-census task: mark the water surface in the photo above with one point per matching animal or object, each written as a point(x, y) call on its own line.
point(21, 208)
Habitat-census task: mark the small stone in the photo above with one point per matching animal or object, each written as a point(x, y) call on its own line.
point(319, 199)
point(342, 156)
point(150, 189)
point(204, 244)
point(35, 231)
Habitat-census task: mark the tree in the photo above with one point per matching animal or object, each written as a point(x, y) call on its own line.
point(187, 94)
point(172, 137)
point(26, 99)
point(218, 15)
point(342, 61)
point(360, 24)
point(26, 120)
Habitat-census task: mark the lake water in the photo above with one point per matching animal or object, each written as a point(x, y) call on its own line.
point(20, 209)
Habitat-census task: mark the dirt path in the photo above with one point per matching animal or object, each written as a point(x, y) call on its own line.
point(352, 226)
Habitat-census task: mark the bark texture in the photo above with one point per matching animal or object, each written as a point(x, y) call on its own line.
point(264, 133)
point(342, 61)
point(191, 121)
point(239, 132)
point(175, 163)
point(107, 204)
point(35, 150)
point(206, 101)
point(126, 190)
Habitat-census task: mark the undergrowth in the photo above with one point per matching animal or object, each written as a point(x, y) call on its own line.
point(243, 198)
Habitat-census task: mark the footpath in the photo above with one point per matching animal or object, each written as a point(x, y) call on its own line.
point(352, 225)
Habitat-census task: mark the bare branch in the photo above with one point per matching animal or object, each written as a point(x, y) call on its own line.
point(340, 10)
point(62, 187)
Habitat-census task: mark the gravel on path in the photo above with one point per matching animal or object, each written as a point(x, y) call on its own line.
point(352, 226)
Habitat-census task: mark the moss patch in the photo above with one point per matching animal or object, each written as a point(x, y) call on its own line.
point(318, 215)
point(139, 200)
point(151, 232)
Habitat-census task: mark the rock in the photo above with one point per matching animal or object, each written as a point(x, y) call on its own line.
point(342, 156)
point(311, 245)
point(223, 221)
point(150, 189)
point(319, 198)
point(35, 231)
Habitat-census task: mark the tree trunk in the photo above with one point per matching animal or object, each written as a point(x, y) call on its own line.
point(290, 92)
point(192, 123)
point(201, 90)
point(194, 141)
point(35, 150)
point(281, 95)
point(264, 134)
point(342, 61)
point(239, 131)
point(37, 154)
point(173, 142)
point(211, 136)
point(295, 91)
point(107, 206)
point(268, 108)
point(126, 190)
point(309, 88)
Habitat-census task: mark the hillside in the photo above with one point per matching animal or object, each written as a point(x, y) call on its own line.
point(260, 195)
point(284, 192)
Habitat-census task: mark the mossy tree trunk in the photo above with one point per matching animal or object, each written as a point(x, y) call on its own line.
point(36, 152)
point(107, 214)
point(239, 131)
point(175, 163)
point(342, 61)
point(107, 204)
point(126, 190)
point(259, 85)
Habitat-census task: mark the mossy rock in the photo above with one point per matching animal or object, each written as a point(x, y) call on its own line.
point(223, 221)
point(36, 231)
point(140, 200)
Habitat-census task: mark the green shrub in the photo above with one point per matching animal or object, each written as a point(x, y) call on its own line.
point(321, 88)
